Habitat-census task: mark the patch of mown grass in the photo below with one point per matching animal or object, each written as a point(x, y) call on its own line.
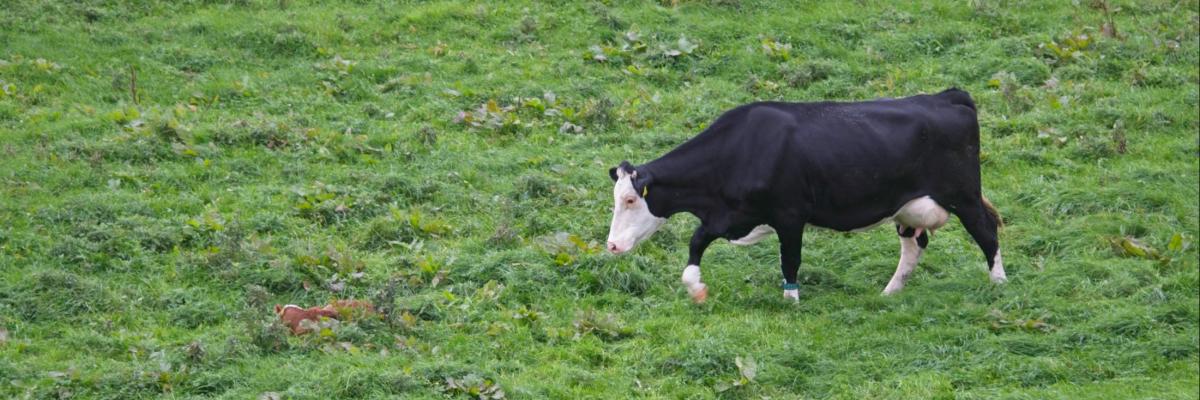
point(171, 170)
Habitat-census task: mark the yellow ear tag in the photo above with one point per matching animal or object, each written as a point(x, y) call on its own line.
point(645, 190)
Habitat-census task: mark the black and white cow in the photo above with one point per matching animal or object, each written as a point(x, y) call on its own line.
point(778, 167)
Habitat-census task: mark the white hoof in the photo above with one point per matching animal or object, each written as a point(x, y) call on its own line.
point(793, 294)
point(691, 280)
point(698, 293)
point(997, 272)
point(998, 278)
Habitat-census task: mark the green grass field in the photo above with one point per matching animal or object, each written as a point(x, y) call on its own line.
point(169, 171)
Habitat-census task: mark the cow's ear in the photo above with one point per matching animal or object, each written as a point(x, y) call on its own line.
point(278, 309)
point(641, 183)
point(627, 167)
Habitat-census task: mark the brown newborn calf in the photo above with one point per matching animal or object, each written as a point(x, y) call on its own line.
point(291, 314)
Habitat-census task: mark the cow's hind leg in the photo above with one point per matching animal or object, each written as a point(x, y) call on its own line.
point(982, 222)
point(914, 222)
point(912, 243)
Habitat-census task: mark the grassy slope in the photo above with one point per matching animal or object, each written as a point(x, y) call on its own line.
point(132, 245)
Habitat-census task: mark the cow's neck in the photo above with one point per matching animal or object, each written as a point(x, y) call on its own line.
point(673, 191)
point(692, 164)
point(684, 178)
point(666, 200)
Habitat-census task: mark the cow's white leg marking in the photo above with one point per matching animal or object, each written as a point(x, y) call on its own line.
point(691, 279)
point(997, 272)
point(910, 253)
point(923, 215)
point(793, 294)
point(758, 234)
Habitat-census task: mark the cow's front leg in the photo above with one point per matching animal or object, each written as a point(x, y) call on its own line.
point(789, 261)
point(691, 274)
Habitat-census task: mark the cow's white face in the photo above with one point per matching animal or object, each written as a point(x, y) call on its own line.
point(632, 221)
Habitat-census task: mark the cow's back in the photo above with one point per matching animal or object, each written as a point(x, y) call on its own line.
point(848, 156)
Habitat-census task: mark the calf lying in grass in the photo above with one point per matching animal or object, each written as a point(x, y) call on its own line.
point(293, 315)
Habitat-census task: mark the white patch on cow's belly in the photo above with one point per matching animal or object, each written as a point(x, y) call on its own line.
point(758, 234)
point(921, 212)
point(872, 226)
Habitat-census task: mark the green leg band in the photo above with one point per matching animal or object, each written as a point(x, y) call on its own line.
point(791, 286)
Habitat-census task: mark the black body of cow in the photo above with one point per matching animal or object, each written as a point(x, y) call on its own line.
point(838, 165)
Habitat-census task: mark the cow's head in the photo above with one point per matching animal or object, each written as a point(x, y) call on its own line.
point(632, 221)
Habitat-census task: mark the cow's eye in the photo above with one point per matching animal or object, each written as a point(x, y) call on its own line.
point(630, 201)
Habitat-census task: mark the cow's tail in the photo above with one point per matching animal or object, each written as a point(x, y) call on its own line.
point(958, 96)
point(992, 213)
